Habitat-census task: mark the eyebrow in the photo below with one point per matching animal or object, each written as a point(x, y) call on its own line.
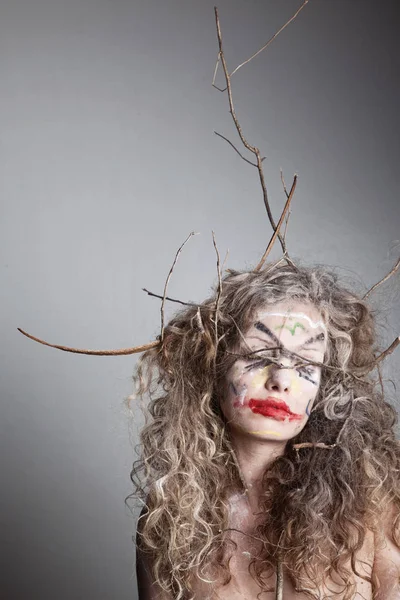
point(317, 338)
point(261, 327)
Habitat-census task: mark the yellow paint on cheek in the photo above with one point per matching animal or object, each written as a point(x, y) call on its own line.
point(295, 384)
point(260, 377)
point(267, 432)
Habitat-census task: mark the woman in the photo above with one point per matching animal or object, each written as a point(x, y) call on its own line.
point(269, 447)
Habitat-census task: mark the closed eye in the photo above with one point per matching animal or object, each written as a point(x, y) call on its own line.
point(258, 364)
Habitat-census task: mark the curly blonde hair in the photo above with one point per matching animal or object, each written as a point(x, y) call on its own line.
point(319, 504)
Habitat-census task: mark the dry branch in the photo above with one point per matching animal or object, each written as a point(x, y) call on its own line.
point(119, 352)
point(253, 149)
point(313, 445)
point(191, 234)
point(289, 211)
point(219, 291)
point(386, 352)
point(261, 49)
point(392, 272)
point(235, 149)
point(277, 228)
point(169, 299)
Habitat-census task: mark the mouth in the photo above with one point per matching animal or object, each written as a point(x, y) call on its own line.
point(274, 409)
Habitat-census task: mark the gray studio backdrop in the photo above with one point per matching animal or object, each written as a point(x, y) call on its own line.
point(108, 161)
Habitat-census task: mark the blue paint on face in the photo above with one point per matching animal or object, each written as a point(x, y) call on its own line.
point(307, 410)
point(233, 388)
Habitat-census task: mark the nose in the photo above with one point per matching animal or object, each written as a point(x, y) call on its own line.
point(279, 379)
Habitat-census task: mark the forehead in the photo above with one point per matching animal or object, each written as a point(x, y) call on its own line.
point(291, 324)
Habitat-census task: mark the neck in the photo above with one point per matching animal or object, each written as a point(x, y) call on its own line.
point(254, 457)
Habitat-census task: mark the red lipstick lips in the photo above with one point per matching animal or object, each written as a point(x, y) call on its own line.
point(273, 408)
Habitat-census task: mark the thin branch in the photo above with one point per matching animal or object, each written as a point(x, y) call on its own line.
point(289, 212)
point(258, 51)
point(235, 149)
point(246, 144)
point(191, 234)
point(284, 184)
point(276, 231)
point(392, 272)
point(386, 353)
point(169, 299)
point(270, 40)
point(225, 259)
point(314, 445)
point(119, 352)
point(279, 581)
point(215, 70)
point(219, 292)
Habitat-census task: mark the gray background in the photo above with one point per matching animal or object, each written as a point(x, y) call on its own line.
point(108, 161)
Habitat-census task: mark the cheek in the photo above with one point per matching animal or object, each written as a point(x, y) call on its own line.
point(295, 385)
point(257, 378)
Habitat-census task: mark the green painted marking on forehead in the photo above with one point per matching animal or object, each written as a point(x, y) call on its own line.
point(291, 329)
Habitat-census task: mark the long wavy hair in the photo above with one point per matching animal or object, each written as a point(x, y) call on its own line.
point(319, 504)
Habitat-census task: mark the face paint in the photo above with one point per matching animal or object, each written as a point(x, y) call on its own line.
point(277, 386)
point(276, 409)
point(291, 329)
point(292, 315)
point(308, 408)
point(266, 432)
point(259, 378)
point(239, 393)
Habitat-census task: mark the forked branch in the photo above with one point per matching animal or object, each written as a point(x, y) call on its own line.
point(253, 149)
point(292, 18)
point(191, 234)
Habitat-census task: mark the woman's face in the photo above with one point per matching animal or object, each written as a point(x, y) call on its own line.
point(271, 391)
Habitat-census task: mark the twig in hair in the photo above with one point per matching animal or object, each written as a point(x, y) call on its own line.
point(235, 149)
point(253, 149)
point(314, 445)
point(277, 228)
point(119, 352)
point(191, 234)
point(219, 291)
point(392, 272)
point(279, 581)
point(168, 298)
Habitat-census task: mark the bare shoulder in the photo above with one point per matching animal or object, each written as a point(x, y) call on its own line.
point(147, 587)
point(386, 567)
